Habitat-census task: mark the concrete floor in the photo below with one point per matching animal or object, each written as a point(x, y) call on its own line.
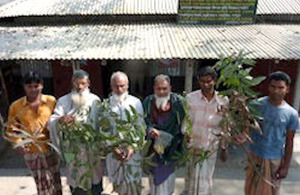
point(228, 179)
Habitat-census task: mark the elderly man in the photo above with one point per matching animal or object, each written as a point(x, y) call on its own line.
point(203, 109)
point(31, 114)
point(78, 106)
point(164, 117)
point(119, 102)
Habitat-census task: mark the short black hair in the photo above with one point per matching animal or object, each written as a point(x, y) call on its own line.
point(32, 77)
point(207, 71)
point(280, 76)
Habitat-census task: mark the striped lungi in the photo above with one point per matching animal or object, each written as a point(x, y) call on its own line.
point(45, 170)
point(261, 176)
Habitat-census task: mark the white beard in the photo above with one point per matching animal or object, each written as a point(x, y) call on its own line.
point(79, 99)
point(161, 102)
point(120, 98)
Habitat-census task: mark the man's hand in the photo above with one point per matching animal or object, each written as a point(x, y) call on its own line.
point(67, 119)
point(189, 138)
point(118, 154)
point(22, 150)
point(197, 151)
point(223, 155)
point(282, 172)
point(154, 133)
point(285, 162)
point(130, 152)
point(239, 138)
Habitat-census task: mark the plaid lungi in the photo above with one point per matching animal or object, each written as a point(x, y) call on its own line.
point(261, 176)
point(45, 170)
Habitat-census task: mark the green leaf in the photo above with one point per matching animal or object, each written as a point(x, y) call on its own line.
point(250, 93)
point(133, 110)
point(129, 169)
point(128, 115)
point(146, 147)
point(248, 61)
point(151, 163)
point(136, 175)
point(69, 157)
point(257, 80)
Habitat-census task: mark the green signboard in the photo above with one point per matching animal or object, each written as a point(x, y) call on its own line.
point(217, 11)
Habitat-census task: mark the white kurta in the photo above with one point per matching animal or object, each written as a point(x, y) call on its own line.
point(63, 107)
point(115, 173)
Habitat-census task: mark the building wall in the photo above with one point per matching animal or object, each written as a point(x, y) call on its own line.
point(141, 85)
point(265, 67)
point(62, 74)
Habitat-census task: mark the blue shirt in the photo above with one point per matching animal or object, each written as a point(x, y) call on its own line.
point(276, 121)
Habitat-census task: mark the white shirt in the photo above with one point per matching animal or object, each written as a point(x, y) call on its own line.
point(115, 174)
point(63, 107)
point(120, 107)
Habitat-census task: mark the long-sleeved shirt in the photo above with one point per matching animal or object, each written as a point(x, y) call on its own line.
point(205, 119)
point(114, 172)
point(23, 116)
point(63, 107)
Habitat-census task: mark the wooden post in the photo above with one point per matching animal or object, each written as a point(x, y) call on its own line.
point(4, 88)
point(75, 65)
point(189, 70)
point(296, 102)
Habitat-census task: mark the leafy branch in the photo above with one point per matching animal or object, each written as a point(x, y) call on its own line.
point(240, 116)
point(28, 139)
point(111, 132)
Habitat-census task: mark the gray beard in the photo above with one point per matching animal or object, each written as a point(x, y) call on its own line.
point(161, 102)
point(79, 99)
point(120, 98)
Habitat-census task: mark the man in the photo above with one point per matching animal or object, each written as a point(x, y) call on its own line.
point(203, 107)
point(271, 151)
point(31, 114)
point(164, 117)
point(119, 102)
point(80, 105)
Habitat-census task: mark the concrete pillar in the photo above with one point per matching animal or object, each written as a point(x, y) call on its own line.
point(189, 70)
point(296, 103)
point(75, 65)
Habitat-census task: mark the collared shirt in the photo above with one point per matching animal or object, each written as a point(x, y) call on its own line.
point(205, 119)
point(23, 116)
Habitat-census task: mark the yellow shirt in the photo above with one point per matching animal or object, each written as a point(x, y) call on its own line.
point(23, 116)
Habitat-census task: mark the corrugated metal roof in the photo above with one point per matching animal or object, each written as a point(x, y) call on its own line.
point(149, 41)
point(103, 7)
point(278, 7)
point(87, 7)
